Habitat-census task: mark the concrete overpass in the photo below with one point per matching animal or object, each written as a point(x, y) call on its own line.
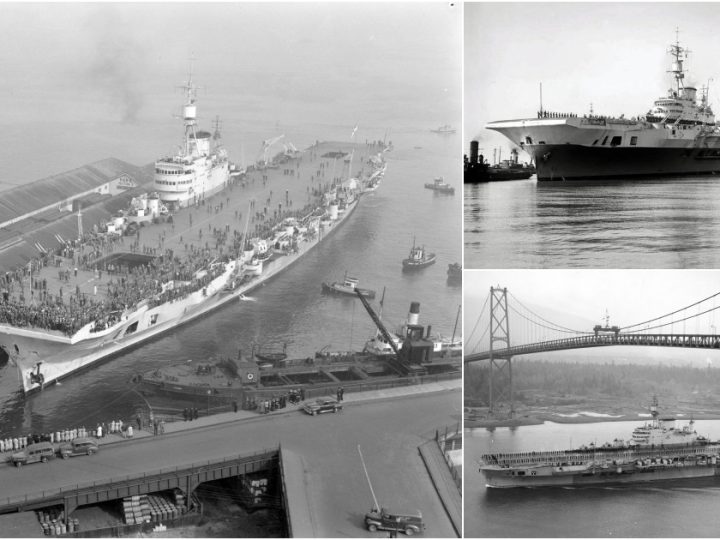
point(326, 469)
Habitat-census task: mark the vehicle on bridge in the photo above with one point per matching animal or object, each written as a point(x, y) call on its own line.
point(33, 453)
point(408, 522)
point(322, 405)
point(82, 446)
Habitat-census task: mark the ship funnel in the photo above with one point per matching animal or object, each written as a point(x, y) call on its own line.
point(474, 145)
point(514, 156)
point(414, 314)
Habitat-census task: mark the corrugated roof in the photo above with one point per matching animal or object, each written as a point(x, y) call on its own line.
point(22, 200)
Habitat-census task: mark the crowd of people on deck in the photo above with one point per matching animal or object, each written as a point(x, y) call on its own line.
point(69, 311)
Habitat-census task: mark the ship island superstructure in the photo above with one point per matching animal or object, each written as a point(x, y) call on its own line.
point(117, 286)
point(658, 450)
point(677, 136)
point(200, 166)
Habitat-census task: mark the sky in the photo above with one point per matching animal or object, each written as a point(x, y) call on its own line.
point(612, 55)
point(314, 53)
point(583, 296)
point(81, 80)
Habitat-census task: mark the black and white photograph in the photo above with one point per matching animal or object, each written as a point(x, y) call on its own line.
point(590, 136)
point(591, 405)
point(231, 269)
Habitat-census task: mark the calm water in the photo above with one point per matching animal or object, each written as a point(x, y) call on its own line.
point(680, 509)
point(291, 309)
point(668, 223)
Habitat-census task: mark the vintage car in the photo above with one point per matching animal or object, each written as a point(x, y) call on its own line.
point(33, 453)
point(385, 520)
point(82, 446)
point(322, 405)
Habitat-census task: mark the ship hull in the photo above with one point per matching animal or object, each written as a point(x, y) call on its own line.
point(501, 478)
point(61, 358)
point(578, 162)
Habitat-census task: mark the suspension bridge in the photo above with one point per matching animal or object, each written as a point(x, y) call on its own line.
point(538, 334)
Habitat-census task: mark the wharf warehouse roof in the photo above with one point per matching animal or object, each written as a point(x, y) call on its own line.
point(40, 210)
point(23, 201)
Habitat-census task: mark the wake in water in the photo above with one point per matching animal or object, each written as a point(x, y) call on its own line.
point(244, 298)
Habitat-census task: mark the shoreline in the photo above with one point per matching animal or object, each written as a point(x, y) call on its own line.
point(620, 414)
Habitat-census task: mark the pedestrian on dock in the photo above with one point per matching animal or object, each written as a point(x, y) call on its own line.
point(185, 414)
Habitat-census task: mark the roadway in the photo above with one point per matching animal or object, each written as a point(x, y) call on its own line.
point(389, 432)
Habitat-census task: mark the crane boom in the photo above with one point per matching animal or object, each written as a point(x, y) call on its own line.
point(377, 321)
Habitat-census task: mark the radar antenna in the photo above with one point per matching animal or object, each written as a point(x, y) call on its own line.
point(677, 52)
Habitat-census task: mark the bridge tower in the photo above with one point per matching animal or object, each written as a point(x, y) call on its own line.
point(500, 375)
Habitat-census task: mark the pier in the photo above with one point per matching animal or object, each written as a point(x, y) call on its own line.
point(324, 489)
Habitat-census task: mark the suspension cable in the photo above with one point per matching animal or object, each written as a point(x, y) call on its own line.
point(673, 313)
point(672, 322)
point(478, 319)
point(566, 331)
point(561, 328)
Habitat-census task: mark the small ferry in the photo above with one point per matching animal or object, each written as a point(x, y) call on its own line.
point(445, 129)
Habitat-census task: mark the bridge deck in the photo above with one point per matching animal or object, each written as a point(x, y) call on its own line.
point(695, 341)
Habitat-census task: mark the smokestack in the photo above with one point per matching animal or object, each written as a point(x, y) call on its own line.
point(428, 331)
point(474, 146)
point(414, 314)
point(514, 156)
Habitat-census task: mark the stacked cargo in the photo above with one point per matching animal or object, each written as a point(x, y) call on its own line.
point(136, 509)
point(162, 509)
point(53, 522)
point(256, 489)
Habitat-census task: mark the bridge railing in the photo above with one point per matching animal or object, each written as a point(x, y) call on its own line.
point(702, 341)
point(195, 466)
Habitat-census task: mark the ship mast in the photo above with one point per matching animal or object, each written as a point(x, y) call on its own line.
point(677, 66)
point(190, 109)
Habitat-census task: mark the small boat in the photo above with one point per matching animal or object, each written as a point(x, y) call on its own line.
point(418, 258)
point(454, 273)
point(348, 286)
point(446, 129)
point(270, 357)
point(441, 186)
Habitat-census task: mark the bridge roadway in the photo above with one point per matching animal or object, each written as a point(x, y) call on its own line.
point(696, 341)
point(388, 430)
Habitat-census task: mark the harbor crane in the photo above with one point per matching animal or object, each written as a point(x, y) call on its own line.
point(266, 144)
point(378, 322)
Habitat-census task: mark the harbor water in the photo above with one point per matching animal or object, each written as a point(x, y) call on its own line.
point(291, 309)
point(650, 223)
point(662, 509)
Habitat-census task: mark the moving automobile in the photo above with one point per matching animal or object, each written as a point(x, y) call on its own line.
point(33, 453)
point(408, 522)
point(82, 446)
point(322, 405)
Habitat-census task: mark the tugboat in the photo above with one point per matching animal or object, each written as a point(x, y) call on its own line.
point(454, 273)
point(348, 287)
point(440, 186)
point(658, 451)
point(677, 136)
point(476, 169)
point(418, 258)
